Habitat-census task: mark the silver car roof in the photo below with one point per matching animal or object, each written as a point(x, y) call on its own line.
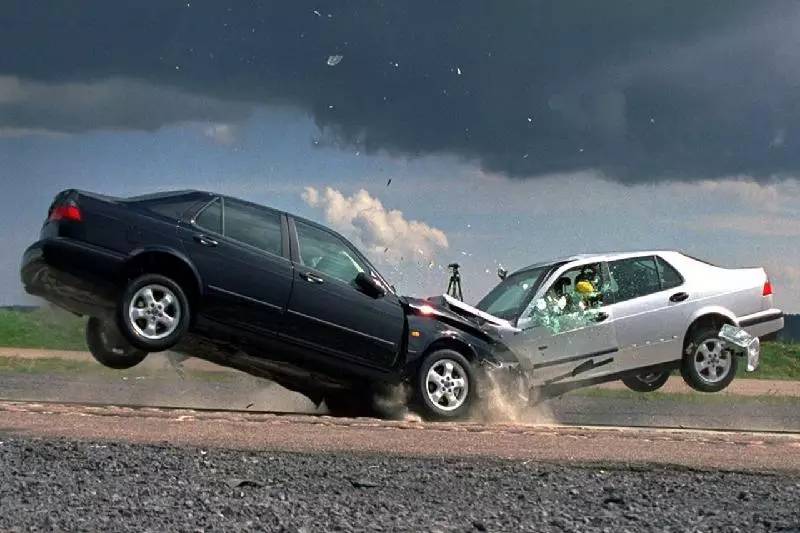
point(598, 256)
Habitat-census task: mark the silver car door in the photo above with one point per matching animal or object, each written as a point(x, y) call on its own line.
point(569, 343)
point(651, 307)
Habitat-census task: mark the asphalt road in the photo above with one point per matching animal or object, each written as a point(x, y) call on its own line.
point(50, 485)
point(239, 391)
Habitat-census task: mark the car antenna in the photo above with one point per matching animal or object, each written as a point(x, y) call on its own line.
point(454, 287)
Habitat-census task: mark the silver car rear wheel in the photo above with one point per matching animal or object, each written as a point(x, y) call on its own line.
point(707, 365)
point(712, 361)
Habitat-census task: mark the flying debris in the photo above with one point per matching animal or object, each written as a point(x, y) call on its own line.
point(317, 13)
point(334, 60)
point(389, 182)
point(458, 71)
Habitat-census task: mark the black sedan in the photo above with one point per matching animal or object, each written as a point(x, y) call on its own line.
point(256, 289)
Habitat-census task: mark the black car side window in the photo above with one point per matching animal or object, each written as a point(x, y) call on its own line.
point(327, 253)
point(634, 277)
point(210, 218)
point(170, 208)
point(670, 278)
point(256, 226)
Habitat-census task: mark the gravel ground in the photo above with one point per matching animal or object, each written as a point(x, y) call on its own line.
point(68, 485)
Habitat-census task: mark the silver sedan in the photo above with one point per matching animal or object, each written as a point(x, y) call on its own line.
point(633, 316)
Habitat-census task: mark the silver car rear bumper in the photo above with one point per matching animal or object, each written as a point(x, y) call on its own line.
point(763, 323)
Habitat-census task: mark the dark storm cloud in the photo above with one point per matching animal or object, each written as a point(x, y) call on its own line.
point(639, 90)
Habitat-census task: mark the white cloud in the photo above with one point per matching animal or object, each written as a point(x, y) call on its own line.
point(221, 133)
point(384, 232)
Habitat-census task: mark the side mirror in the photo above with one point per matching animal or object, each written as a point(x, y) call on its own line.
point(369, 285)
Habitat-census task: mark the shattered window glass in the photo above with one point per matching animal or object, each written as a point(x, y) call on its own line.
point(507, 298)
point(633, 277)
point(570, 301)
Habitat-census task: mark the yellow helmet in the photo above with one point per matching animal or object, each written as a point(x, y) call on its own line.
point(584, 287)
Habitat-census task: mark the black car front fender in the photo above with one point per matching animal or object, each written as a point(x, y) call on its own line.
point(426, 334)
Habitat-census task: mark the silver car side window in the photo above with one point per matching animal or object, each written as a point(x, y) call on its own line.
point(669, 276)
point(569, 301)
point(634, 277)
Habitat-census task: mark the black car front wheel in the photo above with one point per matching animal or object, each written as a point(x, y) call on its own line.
point(647, 381)
point(446, 385)
point(109, 347)
point(153, 312)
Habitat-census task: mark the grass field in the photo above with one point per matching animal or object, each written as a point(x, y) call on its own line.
point(43, 328)
point(57, 330)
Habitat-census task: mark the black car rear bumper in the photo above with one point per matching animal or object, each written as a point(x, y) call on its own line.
point(76, 276)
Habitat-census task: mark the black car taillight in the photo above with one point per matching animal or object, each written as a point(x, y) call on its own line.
point(66, 211)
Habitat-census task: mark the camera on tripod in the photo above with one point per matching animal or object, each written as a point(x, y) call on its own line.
point(454, 286)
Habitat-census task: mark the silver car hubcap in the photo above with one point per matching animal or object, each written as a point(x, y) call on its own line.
point(447, 385)
point(711, 361)
point(154, 312)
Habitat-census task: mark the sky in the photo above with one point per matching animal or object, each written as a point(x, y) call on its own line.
point(485, 133)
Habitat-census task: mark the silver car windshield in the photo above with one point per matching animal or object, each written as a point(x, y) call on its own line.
point(508, 298)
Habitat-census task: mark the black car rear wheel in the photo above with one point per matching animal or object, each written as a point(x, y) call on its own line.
point(446, 385)
point(647, 381)
point(153, 312)
point(109, 347)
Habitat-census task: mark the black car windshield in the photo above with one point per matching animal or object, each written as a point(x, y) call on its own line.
point(507, 299)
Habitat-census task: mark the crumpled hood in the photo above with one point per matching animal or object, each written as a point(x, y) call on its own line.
point(458, 314)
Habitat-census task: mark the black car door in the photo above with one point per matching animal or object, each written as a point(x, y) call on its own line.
point(241, 251)
point(328, 312)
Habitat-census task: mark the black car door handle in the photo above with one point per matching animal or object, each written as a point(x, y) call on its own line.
point(205, 241)
point(599, 317)
point(311, 278)
point(678, 297)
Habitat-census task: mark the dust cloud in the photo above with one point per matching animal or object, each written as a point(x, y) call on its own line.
point(499, 404)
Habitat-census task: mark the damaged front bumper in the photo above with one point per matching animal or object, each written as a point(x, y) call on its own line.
point(741, 343)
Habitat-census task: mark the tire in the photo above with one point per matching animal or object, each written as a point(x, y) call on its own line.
point(109, 347)
point(699, 375)
point(647, 381)
point(450, 369)
point(144, 319)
